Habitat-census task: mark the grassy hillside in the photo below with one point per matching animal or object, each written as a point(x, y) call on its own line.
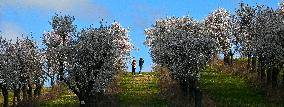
point(143, 91)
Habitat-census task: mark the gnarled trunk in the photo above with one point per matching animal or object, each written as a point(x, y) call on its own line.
point(249, 62)
point(261, 69)
point(52, 81)
point(198, 97)
point(18, 94)
point(37, 91)
point(268, 74)
point(283, 79)
point(275, 72)
point(14, 97)
point(254, 63)
point(231, 57)
point(5, 95)
point(226, 59)
point(61, 70)
point(30, 91)
point(24, 90)
point(184, 87)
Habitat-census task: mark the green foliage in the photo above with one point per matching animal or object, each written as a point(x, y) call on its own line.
point(230, 90)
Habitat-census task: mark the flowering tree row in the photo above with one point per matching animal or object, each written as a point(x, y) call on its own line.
point(20, 69)
point(259, 33)
point(185, 45)
point(85, 60)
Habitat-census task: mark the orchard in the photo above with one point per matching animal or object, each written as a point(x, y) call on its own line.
point(225, 59)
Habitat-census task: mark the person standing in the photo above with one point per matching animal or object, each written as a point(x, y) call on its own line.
point(133, 66)
point(141, 62)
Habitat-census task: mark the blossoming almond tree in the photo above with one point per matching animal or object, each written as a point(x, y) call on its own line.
point(5, 74)
point(51, 55)
point(20, 68)
point(269, 42)
point(180, 44)
point(95, 58)
point(280, 12)
point(260, 34)
point(90, 59)
point(245, 16)
point(218, 26)
point(63, 33)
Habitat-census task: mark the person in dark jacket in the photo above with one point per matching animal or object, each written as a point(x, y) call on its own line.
point(133, 66)
point(141, 62)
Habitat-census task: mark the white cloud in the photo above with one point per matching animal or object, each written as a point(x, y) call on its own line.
point(10, 31)
point(83, 8)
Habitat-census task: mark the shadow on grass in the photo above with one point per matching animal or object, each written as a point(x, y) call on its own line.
point(231, 90)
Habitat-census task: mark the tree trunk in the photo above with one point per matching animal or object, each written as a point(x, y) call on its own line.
point(262, 69)
point(196, 92)
point(37, 91)
point(184, 87)
point(198, 97)
point(226, 59)
point(18, 94)
point(15, 95)
point(51, 81)
point(259, 76)
point(5, 95)
point(254, 63)
point(61, 70)
point(268, 74)
point(24, 90)
point(275, 73)
point(249, 61)
point(231, 57)
point(30, 91)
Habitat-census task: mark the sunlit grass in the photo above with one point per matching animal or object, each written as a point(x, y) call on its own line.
point(140, 91)
point(62, 101)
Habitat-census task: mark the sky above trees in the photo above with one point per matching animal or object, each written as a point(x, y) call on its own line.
point(25, 16)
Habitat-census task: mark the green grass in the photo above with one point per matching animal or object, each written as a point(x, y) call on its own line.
point(140, 91)
point(65, 99)
point(231, 90)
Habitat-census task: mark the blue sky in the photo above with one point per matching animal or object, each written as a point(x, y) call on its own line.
point(25, 16)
